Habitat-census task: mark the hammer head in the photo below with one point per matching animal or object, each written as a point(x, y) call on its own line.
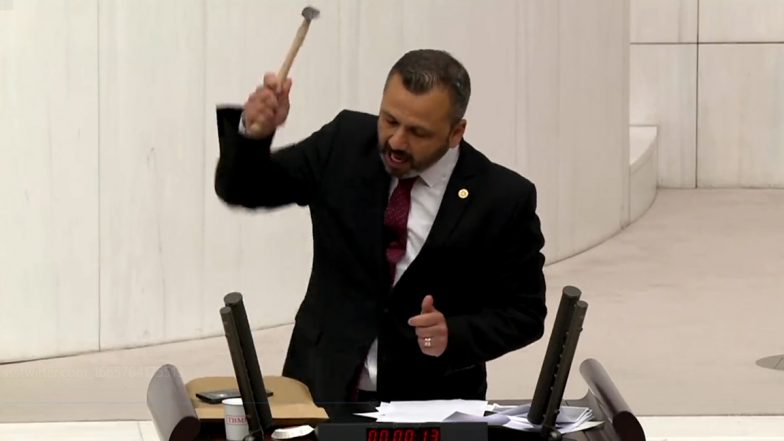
point(310, 13)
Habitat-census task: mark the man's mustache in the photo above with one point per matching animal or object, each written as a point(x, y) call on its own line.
point(386, 148)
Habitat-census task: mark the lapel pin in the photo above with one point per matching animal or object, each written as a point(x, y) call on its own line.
point(463, 193)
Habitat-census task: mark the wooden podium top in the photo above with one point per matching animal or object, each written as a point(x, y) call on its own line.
point(290, 404)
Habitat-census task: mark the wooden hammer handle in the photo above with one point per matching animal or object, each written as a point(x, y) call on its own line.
point(283, 73)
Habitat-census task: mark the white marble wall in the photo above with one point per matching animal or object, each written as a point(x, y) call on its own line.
point(750, 21)
point(49, 183)
point(112, 234)
point(573, 118)
point(741, 116)
point(151, 170)
point(663, 83)
point(643, 152)
point(741, 96)
point(664, 21)
point(708, 74)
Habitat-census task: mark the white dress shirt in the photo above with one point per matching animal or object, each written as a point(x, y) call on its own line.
point(426, 196)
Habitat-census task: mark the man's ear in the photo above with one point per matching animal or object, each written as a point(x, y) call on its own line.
point(457, 133)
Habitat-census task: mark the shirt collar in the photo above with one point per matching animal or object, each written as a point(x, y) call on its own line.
point(437, 175)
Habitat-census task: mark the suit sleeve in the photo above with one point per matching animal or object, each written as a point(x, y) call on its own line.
point(249, 175)
point(515, 308)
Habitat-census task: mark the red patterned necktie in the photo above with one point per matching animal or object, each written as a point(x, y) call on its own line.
point(396, 222)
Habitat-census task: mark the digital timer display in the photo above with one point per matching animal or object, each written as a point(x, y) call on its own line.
point(404, 434)
point(375, 431)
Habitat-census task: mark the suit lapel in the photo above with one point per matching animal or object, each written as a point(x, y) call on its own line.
point(458, 196)
point(462, 183)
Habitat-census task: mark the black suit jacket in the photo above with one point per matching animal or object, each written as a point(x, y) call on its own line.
point(481, 262)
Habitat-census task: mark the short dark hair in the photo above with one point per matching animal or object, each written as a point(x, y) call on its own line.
point(423, 69)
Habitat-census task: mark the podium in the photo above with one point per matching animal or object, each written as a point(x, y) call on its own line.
point(176, 416)
point(179, 416)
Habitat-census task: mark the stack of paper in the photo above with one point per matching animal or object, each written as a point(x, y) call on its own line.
point(434, 411)
point(570, 419)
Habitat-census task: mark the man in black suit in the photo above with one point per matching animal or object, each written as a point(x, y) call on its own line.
point(426, 255)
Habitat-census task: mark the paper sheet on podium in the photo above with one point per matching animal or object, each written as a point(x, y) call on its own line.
point(570, 419)
point(432, 411)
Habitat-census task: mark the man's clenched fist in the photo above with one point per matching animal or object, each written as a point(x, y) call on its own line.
point(267, 107)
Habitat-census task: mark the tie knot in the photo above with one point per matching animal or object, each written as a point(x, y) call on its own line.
point(407, 183)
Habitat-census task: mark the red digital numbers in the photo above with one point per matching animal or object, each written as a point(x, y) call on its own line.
point(421, 434)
